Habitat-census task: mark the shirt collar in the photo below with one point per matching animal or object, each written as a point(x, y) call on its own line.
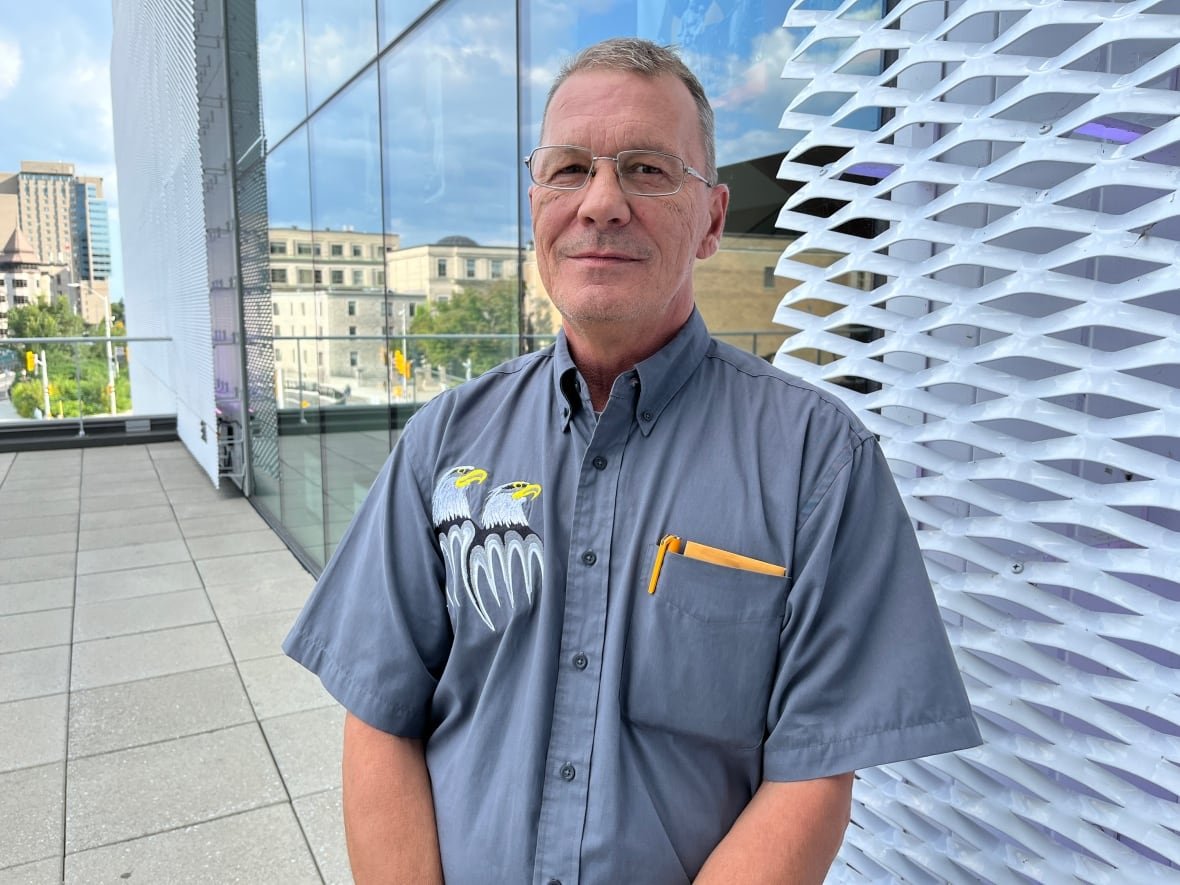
point(661, 375)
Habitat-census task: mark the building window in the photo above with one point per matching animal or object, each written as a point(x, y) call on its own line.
point(379, 278)
point(352, 308)
point(276, 307)
point(358, 277)
point(319, 358)
point(304, 276)
point(354, 359)
point(278, 355)
point(442, 267)
point(357, 252)
point(413, 308)
point(18, 283)
point(319, 277)
point(303, 308)
point(337, 278)
point(497, 268)
point(278, 274)
point(303, 248)
point(337, 250)
point(768, 278)
point(470, 268)
point(352, 330)
point(278, 248)
point(278, 331)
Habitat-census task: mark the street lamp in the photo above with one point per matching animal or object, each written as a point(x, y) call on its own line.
point(106, 305)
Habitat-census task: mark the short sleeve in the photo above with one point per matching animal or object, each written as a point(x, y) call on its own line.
point(865, 675)
point(375, 628)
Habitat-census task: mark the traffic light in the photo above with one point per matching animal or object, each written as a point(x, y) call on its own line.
point(401, 364)
point(30, 361)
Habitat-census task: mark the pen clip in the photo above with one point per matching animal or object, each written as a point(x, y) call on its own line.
point(668, 542)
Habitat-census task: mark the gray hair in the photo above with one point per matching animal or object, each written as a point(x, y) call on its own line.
point(636, 56)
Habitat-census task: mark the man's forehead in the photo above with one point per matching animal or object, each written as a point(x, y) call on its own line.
point(600, 98)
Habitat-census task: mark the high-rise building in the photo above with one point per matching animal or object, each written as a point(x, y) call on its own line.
point(64, 217)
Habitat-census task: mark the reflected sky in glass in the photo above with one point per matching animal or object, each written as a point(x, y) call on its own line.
point(448, 102)
point(340, 38)
point(346, 159)
point(281, 67)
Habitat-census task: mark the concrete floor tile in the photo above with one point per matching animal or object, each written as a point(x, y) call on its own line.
point(264, 845)
point(57, 502)
point(30, 674)
point(256, 597)
point(144, 790)
point(137, 582)
point(115, 717)
point(278, 686)
point(42, 872)
point(125, 535)
point(146, 655)
point(24, 526)
point(33, 732)
point(31, 809)
point(118, 501)
point(36, 595)
point(222, 506)
point(117, 559)
point(322, 818)
point(126, 516)
point(21, 569)
point(199, 526)
point(132, 486)
point(258, 636)
point(211, 546)
point(280, 564)
point(39, 544)
point(120, 617)
point(307, 748)
point(35, 629)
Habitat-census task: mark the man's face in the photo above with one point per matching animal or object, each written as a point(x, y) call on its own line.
point(611, 259)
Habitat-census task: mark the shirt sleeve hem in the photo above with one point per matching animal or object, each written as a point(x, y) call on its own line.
point(868, 750)
point(382, 713)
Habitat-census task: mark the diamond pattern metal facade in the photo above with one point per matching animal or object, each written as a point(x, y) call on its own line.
point(1016, 346)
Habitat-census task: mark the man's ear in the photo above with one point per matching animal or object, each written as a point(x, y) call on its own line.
point(718, 205)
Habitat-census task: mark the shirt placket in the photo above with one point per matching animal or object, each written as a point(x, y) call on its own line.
point(565, 794)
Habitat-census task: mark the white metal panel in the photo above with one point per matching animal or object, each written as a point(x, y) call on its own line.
point(154, 98)
point(1023, 373)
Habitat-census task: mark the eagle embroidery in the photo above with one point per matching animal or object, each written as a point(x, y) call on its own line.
point(496, 553)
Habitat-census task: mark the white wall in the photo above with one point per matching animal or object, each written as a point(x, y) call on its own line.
point(166, 289)
point(1028, 309)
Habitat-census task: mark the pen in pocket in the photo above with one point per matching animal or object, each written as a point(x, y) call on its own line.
point(669, 542)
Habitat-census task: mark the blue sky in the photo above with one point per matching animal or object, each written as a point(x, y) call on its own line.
point(55, 95)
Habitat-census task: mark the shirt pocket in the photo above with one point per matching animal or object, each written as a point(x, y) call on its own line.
point(701, 651)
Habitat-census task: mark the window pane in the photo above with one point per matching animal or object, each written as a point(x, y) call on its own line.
point(280, 67)
point(341, 39)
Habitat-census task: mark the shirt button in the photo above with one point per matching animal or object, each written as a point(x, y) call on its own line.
point(646, 416)
point(567, 772)
point(580, 661)
point(599, 463)
point(589, 557)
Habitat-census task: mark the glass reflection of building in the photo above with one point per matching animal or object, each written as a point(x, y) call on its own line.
point(385, 157)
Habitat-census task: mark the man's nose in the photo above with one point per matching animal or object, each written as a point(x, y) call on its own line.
point(603, 199)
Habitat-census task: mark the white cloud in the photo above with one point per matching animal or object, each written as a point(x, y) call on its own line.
point(10, 66)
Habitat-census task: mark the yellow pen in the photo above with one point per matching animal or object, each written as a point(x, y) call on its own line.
point(669, 542)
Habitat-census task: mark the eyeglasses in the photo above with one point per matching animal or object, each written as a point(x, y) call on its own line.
point(567, 167)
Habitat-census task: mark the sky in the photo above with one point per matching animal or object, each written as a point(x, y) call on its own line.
point(55, 95)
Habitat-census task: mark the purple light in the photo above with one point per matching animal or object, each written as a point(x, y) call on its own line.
point(871, 170)
point(1112, 129)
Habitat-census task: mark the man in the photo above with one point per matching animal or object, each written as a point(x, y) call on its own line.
point(631, 609)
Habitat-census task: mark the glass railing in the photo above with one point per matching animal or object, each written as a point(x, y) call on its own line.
point(69, 379)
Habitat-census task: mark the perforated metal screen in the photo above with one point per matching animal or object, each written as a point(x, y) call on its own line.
point(1016, 346)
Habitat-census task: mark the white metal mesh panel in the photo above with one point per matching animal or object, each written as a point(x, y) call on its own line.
point(1017, 336)
point(154, 98)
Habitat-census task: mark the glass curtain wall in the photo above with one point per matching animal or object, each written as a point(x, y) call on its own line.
point(398, 255)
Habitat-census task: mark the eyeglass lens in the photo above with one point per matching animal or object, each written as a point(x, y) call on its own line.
point(647, 173)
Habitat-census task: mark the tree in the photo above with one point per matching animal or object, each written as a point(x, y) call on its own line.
point(473, 311)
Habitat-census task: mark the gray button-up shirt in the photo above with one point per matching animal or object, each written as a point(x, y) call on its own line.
point(584, 722)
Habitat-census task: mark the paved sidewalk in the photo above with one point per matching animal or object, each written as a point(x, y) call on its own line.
point(150, 729)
